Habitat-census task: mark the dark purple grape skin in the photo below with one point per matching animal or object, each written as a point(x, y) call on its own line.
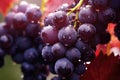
point(32, 30)
point(40, 77)
point(22, 7)
point(86, 32)
point(60, 19)
point(65, 69)
point(56, 78)
point(58, 50)
point(23, 43)
point(19, 21)
point(3, 30)
point(87, 14)
point(28, 77)
point(117, 31)
point(2, 53)
point(80, 68)
point(47, 54)
point(31, 55)
point(73, 55)
point(106, 16)
point(100, 4)
point(67, 35)
point(9, 18)
point(104, 37)
point(33, 14)
point(18, 58)
point(6, 41)
point(63, 7)
point(27, 68)
point(87, 53)
point(115, 4)
point(49, 34)
point(49, 19)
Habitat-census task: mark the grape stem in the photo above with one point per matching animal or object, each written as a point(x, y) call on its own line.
point(76, 7)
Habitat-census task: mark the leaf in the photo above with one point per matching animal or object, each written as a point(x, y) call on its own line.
point(103, 68)
point(5, 5)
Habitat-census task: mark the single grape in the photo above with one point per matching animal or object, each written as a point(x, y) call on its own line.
point(86, 32)
point(19, 21)
point(87, 14)
point(18, 58)
point(32, 30)
point(80, 68)
point(60, 19)
point(107, 15)
point(47, 53)
point(64, 67)
point(58, 50)
point(31, 55)
point(22, 7)
point(6, 41)
point(27, 68)
point(100, 4)
point(33, 14)
point(73, 55)
point(23, 43)
point(49, 34)
point(9, 18)
point(67, 35)
point(49, 19)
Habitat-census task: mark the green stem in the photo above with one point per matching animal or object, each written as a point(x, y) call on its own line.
point(76, 7)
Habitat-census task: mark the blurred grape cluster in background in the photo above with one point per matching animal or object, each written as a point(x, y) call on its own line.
point(11, 71)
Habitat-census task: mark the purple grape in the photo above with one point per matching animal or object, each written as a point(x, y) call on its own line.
point(58, 50)
point(86, 32)
point(73, 55)
point(49, 34)
point(106, 16)
point(9, 18)
point(49, 19)
point(64, 67)
point(100, 4)
point(23, 43)
point(18, 58)
point(27, 68)
point(87, 14)
point(19, 21)
point(60, 19)
point(6, 41)
point(33, 14)
point(31, 55)
point(47, 54)
point(2, 53)
point(32, 30)
point(80, 68)
point(22, 7)
point(67, 35)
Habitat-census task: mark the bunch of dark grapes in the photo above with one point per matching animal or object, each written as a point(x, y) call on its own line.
point(19, 38)
point(64, 45)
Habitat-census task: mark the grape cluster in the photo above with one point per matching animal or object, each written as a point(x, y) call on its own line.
point(19, 38)
point(66, 42)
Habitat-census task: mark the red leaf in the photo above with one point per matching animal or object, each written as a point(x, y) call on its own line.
point(103, 68)
point(5, 5)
